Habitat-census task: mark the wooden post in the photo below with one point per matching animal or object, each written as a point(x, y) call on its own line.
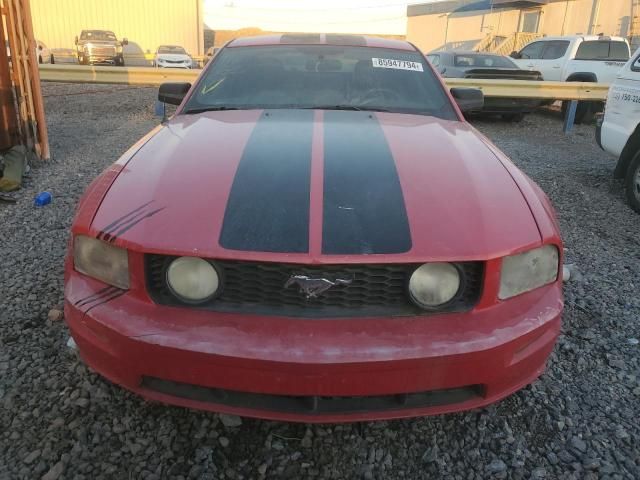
point(8, 115)
point(36, 91)
point(26, 77)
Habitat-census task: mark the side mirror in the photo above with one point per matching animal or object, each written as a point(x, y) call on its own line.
point(76, 39)
point(173, 93)
point(40, 47)
point(125, 41)
point(516, 55)
point(468, 99)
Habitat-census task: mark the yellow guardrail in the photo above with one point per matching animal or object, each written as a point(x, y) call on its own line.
point(122, 75)
point(534, 89)
point(156, 76)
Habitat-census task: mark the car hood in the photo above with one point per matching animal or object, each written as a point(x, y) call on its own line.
point(319, 187)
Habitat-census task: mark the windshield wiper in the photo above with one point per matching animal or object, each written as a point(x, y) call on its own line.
point(209, 109)
point(349, 107)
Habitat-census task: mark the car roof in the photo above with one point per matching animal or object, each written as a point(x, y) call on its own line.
point(580, 37)
point(465, 52)
point(321, 39)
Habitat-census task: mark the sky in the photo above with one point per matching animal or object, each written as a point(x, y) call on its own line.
point(328, 16)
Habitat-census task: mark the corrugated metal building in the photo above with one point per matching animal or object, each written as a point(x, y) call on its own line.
point(145, 23)
point(464, 24)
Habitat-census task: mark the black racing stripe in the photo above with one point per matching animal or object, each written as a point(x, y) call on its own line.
point(103, 291)
point(112, 296)
point(364, 211)
point(268, 206)
point(133, 223)
point(113, 225)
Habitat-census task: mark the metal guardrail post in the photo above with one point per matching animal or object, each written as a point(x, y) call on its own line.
point(570, 117)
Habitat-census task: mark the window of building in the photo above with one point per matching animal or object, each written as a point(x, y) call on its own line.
point(530, 21)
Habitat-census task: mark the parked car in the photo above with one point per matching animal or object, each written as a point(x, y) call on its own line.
point(618, 132)
point(100, 47)
point(452, 64)
point(576, 58)
point(43, 54)
point(172, 56)
point(316, 235)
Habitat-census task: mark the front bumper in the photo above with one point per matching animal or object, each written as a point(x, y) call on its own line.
point(186, 66)
point(310, 370)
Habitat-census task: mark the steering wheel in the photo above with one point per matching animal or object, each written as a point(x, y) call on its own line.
point(376, 93)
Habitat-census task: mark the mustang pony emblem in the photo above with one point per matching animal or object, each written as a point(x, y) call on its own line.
point(312, 287)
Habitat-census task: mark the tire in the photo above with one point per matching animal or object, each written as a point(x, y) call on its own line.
point(513, 117)
point(632, 183)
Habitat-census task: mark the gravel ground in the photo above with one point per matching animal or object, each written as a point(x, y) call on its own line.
point(59, 420)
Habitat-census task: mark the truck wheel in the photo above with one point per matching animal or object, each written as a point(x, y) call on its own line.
point(632, 183)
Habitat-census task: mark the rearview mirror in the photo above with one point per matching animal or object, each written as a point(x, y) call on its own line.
point(125, 41)
point(173, 93)
point(468, 99)
point(516, 55)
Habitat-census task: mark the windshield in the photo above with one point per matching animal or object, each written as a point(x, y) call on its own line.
point(98, 35)
point(171, 49)
point(486, 61)
point(321, 76)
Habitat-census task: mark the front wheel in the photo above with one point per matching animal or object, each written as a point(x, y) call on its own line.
point(632, 183)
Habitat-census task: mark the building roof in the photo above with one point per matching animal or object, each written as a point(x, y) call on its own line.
point(321, 39)
point(451, 6)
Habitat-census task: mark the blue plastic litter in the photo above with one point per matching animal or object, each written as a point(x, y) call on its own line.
point(42, 199)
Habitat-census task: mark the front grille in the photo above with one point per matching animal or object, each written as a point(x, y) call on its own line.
point(258, 287)
point(102, 51)
point(313, 405)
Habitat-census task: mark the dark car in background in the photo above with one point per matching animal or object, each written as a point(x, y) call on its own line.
point(488, 66)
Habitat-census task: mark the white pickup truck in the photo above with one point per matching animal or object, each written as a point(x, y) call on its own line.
point(618, 132)
point(576, 58)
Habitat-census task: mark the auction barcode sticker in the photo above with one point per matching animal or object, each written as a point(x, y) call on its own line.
point(397, 64)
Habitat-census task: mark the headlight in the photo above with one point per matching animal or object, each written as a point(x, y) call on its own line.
point(434, 284)
point(192, 279)
point(101, 261)
point(528, 271)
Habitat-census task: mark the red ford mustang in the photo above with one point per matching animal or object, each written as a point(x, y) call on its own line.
point(316, 235)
